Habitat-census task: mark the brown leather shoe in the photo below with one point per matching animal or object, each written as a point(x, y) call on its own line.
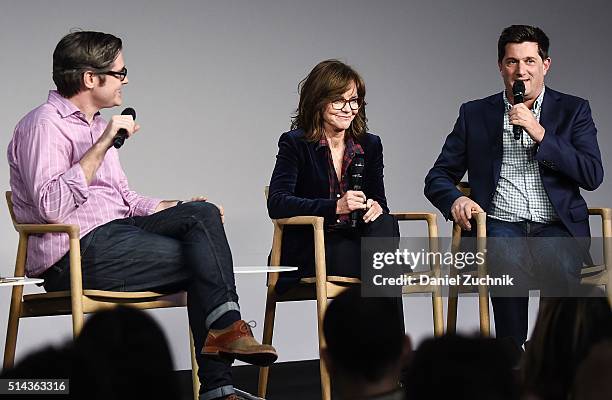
point(237, 342)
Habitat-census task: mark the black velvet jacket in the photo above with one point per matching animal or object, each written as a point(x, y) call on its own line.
point(300, 186)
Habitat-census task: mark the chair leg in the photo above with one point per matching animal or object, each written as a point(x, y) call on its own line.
point(325, 379)
point(483, 290)
point(453, 290)
point(268, 331)
point(485, 321)
point(325, 382)
point(453, 300)
point(77, 322)
point(321, 289)
point(483, 306)
point(13, 328)
point(438, 311)
point(195, 380)
point(16, 300)
point(436, 293)
point(76, 285)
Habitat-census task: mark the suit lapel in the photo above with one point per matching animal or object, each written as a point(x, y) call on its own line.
point(494, 124)
point(321, 164)
point(547, 118)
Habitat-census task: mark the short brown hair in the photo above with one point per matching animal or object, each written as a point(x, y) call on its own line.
point(81, 51)
point(328, 81)
point(520, 34)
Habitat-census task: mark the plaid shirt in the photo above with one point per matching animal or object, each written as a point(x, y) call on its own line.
point(520, 194)
point(338, 188)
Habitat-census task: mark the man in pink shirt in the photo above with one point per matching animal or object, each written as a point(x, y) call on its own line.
point(64, 169)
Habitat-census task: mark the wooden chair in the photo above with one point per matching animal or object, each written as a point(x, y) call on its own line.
point(76, 301)
point(321, 287)
point(435, 290)
point(597, 275)
point(480, 219)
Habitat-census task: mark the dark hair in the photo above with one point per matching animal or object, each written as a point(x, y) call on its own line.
point(520, 34)
point(565, 331)
point(461, 367)
point(592, 379)
point(364, 335)
point(81, 51)
point(328, 81)
point(121, 353)
point(131, 354)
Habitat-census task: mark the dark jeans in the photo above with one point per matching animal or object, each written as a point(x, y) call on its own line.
point(180, 248)
point(537, 256)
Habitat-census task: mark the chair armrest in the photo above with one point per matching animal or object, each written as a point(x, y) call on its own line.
point(316, 222)
point(72, 230)
point(480, 219)
point(479, 214)
point(415, 216)
point(604, 212)
point(319, 242)
point(430, 218)
point(606, 221)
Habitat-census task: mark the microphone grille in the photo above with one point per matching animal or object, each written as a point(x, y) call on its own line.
point(518, 87)
point(129, 111)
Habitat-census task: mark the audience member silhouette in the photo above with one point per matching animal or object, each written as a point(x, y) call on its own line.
point(455, 367)
point(366, 347)
point(565, 331)
point(592, 380)
point(120, 354)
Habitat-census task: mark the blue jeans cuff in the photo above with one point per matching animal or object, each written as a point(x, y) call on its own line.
point(219, 311)
point(217, 393)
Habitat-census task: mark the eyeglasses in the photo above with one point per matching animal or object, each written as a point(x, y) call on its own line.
point(121, 75)
point(354, 104)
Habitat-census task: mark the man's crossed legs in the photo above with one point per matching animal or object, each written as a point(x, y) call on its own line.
point(180, 248)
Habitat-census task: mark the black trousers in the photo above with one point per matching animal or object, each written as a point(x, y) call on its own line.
point(342, 253)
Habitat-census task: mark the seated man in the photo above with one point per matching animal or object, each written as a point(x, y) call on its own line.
point(64, 169)
point(365, 364)
point(528, 152)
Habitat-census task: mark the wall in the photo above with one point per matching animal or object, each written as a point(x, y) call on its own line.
point(215, 84)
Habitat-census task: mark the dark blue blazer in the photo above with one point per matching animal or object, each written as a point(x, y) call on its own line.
point(568, 156)
point(300, 181)
point(300, 186)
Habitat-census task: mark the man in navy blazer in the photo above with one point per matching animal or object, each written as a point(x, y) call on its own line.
point(528, 187)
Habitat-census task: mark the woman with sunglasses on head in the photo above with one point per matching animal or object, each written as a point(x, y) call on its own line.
point(312, 175)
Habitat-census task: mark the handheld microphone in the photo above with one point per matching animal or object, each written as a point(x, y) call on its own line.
point(518, 92)
point(122, 133)
point(355, 183)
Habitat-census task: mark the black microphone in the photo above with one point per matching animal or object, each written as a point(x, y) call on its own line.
point(122, 133)
point(518, 92)
point(355, 183)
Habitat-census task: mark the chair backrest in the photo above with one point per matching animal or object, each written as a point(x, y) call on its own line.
point(9, 202)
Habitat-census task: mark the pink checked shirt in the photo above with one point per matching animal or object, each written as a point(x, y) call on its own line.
point(49, 185)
